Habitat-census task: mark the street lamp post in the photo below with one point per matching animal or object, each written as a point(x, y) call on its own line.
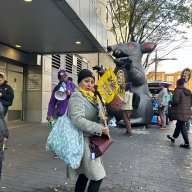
point(159, 59)
point(156, 65)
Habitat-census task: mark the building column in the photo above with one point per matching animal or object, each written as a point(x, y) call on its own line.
point(38, 90)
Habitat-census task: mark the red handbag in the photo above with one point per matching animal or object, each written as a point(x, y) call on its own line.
point(100, 144)
point(115, 104)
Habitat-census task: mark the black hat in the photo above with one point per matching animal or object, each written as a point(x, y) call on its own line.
point(84, 73)
point(181, 81)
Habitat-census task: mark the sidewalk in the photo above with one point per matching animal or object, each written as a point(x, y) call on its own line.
point(19, 124)
point(147, 161)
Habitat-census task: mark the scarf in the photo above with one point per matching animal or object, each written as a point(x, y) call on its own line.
point(89, 95)
point(94, 99)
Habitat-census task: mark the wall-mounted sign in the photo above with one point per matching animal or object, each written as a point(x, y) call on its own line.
point(186, 73)
point(34, 82)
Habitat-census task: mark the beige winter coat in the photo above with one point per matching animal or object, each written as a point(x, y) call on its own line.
point(84, 115)
point(127, 101)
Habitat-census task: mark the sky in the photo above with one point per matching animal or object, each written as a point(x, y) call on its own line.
point(183, 56)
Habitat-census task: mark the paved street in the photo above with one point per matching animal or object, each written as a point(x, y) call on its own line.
point(147, 161)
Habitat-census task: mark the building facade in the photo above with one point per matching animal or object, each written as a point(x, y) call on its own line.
point(169, 77)
point(64, 34)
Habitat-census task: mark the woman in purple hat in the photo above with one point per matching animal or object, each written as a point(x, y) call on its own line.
point(181, 111)
point(61, 105)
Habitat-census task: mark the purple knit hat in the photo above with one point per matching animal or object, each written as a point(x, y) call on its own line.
point(62, 72)
point(128, 85)
point(181, 81)
point(162, 84)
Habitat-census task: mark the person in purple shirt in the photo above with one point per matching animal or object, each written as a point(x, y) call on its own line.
point(60, 105)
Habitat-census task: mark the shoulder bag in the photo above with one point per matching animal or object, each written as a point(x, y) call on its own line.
point(100, 144)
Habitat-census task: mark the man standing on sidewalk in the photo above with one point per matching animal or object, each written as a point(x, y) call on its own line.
point(163, 105)
point(6, 94)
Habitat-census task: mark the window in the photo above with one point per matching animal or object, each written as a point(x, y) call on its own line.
point(69, 63)
point(79, 65)
point(170, 78)
point(56, 61)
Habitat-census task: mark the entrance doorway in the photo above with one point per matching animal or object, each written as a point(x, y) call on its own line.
point(14, 75)
point(15, 79)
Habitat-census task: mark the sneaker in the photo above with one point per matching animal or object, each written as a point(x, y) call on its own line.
point(162, 128)
point(158, 126)
point(128, 134)
point(186, 146)
point(171, 138)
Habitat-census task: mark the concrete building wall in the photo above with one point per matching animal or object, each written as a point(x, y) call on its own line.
point(38, 90)
point(87, 13)
point(39, 77)
point(46, 84)
point(33, 93)
point(98, 59)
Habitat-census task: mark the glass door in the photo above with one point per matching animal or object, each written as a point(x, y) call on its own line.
point(15, 80)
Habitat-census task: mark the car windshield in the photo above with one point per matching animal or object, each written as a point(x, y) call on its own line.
point(154, 87)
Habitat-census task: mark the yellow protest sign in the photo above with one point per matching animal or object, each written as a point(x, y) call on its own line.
point(108, 86)
point(121, 82)
point(186, 73)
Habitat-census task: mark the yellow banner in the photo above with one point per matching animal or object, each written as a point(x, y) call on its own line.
point(108, 85)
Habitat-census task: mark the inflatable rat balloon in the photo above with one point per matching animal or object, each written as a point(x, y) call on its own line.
point(127, 57)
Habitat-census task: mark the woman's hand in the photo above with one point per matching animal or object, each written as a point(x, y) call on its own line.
point(67, 92)
point(49, 118)
point(105, 130)
point(5, 140)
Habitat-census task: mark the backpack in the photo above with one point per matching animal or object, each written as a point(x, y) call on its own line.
point(135, 101)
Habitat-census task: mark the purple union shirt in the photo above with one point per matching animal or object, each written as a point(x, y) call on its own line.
point(61, 105)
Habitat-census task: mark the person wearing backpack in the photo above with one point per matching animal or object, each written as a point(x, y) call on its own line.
point(6, 94)
point(127, 108)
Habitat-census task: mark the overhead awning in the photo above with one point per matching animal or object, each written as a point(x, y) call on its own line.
point(51, 26)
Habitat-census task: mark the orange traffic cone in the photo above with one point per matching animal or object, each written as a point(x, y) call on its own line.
point(159, 120)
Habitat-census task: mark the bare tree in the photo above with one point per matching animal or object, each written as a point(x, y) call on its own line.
point(162, 21)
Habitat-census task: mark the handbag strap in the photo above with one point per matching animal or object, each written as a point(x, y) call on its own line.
point(66, 112)
point(103, 115)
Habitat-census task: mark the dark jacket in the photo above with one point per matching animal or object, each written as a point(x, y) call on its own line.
point(191, 99)
point(181, 105)
point(7, 94)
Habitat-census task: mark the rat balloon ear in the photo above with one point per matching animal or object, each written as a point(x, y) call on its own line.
point(147, 47)
point(131, 46)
